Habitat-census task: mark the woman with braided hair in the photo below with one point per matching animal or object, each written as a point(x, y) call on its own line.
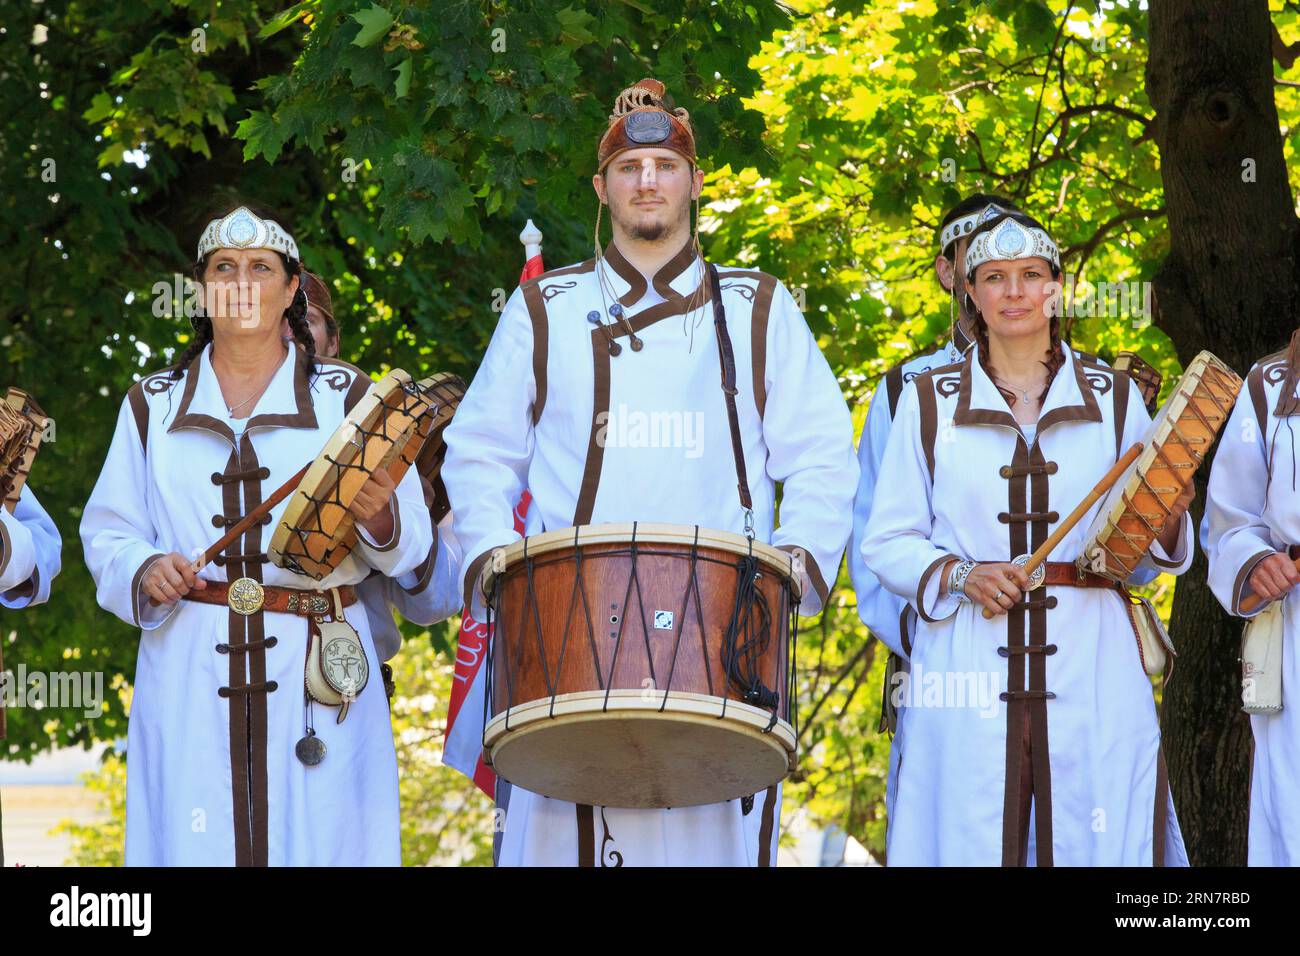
point(227, 761)
point(1029, 736)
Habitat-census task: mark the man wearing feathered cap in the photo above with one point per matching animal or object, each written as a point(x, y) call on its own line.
point(582, 353)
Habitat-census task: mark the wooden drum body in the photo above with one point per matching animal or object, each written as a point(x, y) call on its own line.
point(1137, 508)
point(641, 665)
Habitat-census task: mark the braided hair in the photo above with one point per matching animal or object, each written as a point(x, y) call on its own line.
point(1055, 351)
point(295, 314)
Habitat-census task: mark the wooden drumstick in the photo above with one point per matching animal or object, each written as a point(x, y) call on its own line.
point(248, 521)
point(1075, 516)
point(1253, 601)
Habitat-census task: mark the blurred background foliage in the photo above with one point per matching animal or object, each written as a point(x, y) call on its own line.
point(405, 143)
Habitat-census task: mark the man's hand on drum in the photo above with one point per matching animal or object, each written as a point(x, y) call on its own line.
point(170, 577)
point(370, 506)
point(996, 585)
point(1169, 537)
point(1273, 576)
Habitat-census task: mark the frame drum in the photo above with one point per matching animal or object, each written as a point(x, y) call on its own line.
point(641, 665)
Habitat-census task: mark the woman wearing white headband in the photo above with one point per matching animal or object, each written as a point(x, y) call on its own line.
point(1030, 737)
point(226, 761)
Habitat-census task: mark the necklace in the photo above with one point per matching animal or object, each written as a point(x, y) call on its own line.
point(230, 409)
point(1024, 393)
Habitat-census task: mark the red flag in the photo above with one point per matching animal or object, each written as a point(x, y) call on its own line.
point(463, 742)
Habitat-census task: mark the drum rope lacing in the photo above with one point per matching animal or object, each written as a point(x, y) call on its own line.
point(1154, 521)
point(747, 635)
point(413, 402)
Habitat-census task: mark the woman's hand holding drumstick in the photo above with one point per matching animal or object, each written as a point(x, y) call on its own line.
point(997, 588)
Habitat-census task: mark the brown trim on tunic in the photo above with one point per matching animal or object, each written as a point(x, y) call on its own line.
point(236, 676)
point(759, 317)
point(305, 416)
point(140, 412)
point(1040, 752)
point(768, 829)
point(396, 511)
point(928, 404)
point(472, 576)
point(1087, 412)
point(259, 819)
point(673, 268)
point(361, 383)
point(1014, 816)
point(1160, 818)
point(894, 389)
point(6, 547)
point(925, 581)
point(811, 569)
point(628, 273)
point(586, 822)
point(1121, 399)
point(424, 570)
point(1243, 575)
point(1258, 397)
point(541, 343)
point(136, 578)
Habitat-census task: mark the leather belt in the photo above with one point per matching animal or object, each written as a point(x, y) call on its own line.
point(246, 596)
point(1067, 574)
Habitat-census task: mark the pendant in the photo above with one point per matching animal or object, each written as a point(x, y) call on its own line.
point(614, 347)
point(636, 344)
point(310, 749)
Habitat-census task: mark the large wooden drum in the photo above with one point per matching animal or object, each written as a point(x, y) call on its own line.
point(641, 665)
point(1134, 513)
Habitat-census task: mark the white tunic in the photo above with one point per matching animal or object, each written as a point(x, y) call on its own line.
point(213, 780)
point(958, 480)
point(552, 410)
point(30, 552)
point(1248, 516)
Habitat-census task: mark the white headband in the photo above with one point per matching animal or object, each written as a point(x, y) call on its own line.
point(244, 230)
point(965, 225)
point(1010, 240)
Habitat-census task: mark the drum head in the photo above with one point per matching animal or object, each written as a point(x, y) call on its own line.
point(628, 752)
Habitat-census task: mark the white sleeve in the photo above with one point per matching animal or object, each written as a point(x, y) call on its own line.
point(118, 532)
point(1233, 532)
point(896, 545)
point(412, 535)
point(809, 437)
point(490, 446)
point(1137, 422)
point(879, 608)
point(46, 546)
point(431, 592)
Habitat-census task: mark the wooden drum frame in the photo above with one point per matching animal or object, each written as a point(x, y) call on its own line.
point(608, 676)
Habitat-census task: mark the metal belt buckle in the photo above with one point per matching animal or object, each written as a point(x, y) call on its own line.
point(245, 596)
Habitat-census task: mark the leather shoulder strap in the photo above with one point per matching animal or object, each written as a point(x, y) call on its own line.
point(727, 357)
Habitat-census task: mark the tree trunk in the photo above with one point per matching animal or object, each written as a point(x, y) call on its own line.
point(1228, 285)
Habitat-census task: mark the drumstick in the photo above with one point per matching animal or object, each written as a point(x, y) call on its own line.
point(248, 521)
point(1075, 516)
point(1252, 601)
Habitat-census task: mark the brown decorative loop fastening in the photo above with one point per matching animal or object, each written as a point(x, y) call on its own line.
point(219, 521)
point(248, 474)
point(1027, 695)
point(260, 687)
point(1038, 468)
point(1028, 605)
point(1024, 517)
point(1045, 649)
point(245, 648)
point(222, 560)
